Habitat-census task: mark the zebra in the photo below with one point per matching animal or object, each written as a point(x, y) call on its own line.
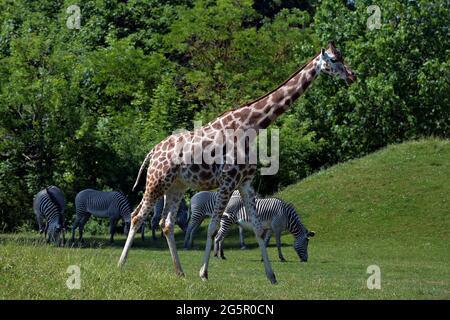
point(202, 205)
point(49, 205)
point(182, 216)
point(276, 215)
point(113, 205)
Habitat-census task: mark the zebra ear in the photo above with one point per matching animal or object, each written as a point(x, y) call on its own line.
point(311, 234)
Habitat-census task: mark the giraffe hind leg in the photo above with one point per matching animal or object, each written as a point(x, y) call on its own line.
point(137, 218)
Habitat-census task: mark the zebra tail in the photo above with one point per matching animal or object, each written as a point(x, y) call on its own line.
point(144, 164)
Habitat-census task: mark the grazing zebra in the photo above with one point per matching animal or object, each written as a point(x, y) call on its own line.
point(49, 205)
point(275, 215)
point(113, 205)
point(202, 205)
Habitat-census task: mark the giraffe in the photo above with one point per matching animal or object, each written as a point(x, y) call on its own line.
point(166, 174)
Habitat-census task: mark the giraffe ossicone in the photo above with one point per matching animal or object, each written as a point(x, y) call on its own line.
point(172, 178)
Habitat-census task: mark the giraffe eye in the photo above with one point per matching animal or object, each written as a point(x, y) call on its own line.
point(333, 60)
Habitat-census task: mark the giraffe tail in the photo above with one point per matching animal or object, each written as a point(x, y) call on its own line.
point(144, 164)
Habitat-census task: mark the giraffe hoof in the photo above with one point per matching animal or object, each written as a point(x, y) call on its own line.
point(204, 274)
point(180, 274)
point(272, 278)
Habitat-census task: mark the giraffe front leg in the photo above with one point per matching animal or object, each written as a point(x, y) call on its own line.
point(212, 230)
point(223, 197)
point(248, 195)
point(172, 202)
point(268, 234)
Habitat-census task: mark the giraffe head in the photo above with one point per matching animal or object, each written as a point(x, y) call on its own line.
point(332, 62)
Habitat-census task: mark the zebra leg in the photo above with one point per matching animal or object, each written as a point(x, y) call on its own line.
point(172, 203)
point(221, 203)
point(225, 226)
point(154, 234)
point(112, 229)
point(154, 223)
point(248, 195)
point(77, 222)
point(278, 239)
point(74, 227)
point(40, 222)
point(189, 237)
point(241, 238)
point(222, 256)
point(83, 221)
point(63, 231)
point(45, 232)
point(143, 231)
point(218, 246)
point(157, 218)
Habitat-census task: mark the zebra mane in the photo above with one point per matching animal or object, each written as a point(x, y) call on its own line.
point(294, 217)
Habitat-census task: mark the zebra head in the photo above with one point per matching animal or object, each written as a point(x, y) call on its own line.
point(126, 223)
point(54, 230)
point(301, 245)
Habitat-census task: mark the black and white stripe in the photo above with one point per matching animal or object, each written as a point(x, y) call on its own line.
point(276, 216)
point(112, 205)
point(202, 206)
point(49, 205)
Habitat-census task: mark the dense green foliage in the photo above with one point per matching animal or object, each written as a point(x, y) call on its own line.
point(81, 107)
point(389, 209)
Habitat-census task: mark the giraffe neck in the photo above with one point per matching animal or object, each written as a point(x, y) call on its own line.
point(266, 110)
point(260, 113)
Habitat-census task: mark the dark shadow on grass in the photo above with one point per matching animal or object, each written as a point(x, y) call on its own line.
point(102, 241)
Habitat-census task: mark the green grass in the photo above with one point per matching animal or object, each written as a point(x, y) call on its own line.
point(391, 209)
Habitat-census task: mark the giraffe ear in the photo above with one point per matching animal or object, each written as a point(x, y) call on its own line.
point(323, 52)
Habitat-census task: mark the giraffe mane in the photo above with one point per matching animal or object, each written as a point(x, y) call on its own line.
point(270, 92)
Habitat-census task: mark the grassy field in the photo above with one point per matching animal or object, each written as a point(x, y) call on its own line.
point(390, 209)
